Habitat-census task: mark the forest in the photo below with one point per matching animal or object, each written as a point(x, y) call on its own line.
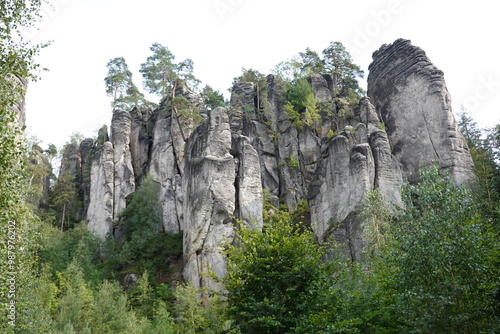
point(431, 265)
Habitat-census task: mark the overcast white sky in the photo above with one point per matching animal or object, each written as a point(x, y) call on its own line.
point(222, 36)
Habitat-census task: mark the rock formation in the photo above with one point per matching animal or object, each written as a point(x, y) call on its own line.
point(410, 94)
point(100, 214)
point(124, 178)
point(212, 175)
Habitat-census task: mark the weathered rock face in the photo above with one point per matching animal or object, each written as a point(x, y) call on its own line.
point(212, 175)
point(71, 161)
point(210, 172)
point(388, 174)
point(219, 187)
point(410, 94)
point(124, 182)
point(357, 160)
point(320, 88)
point(87, 147)
point(100, 214)
point(20, 106)
point(139, 143)
point(163, 168)
point(142, 142)
point(345, 174)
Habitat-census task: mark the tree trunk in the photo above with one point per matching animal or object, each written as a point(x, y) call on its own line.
point(63, 217)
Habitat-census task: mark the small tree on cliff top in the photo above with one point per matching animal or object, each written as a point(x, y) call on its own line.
point(338, 62)
point(120, 86)
point(161, 74)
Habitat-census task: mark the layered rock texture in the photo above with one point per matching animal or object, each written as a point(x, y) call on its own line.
point(213, 174)
point(411, 96)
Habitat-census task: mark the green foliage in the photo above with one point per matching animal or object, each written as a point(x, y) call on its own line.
point(376, 223)
point(192, 314)
point(159, 71)
point(440, 271)
point(77, 245)
point(75, 304)
point(330, 134)
point(261, 107)
point(250, 75)
point(311, 62)
point(301, 106)
point(294, 162)
point(111, 313)
point(63, 199)
point(338, 62)
point(161, 74)
point(186, 109)
point(145, 245)
point(484, 147)
point(102, 135)
point(278, 282)
point(120, 86)
point(19, 227)
point(212, 98)
point(39, 170)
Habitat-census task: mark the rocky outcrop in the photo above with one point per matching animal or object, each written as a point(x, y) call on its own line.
point(139, 143)
point(100, 214)
point(346, 172)
point(357, 160)
point(163, 168)
point(322, 91)
point(71, 160)
point(124, 179)
point(219, 187)
point(210, 173)
point(411, 96)
point(388, 174)
point(249, 202)
point(20, 107)
point(87, 149)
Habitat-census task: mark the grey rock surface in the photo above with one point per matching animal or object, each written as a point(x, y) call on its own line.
point(210, 195)
point(163, 169)
point(20, 106)
point(139, 143)
point(345, 174)
point(410, 94)
point(124, 179)
point(213, 175)
point(249, 185)
point(100, 212)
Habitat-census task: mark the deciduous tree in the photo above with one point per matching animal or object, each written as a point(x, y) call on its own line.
point(440, 271)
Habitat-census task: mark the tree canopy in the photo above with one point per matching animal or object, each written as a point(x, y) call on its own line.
point(120, 87)
point(161, 74)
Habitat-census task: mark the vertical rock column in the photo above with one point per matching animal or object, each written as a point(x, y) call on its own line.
point(345, 174)
point(100, 211)
point(124, 180)
point(411, 95)
point(208, 184)
point(163, 169)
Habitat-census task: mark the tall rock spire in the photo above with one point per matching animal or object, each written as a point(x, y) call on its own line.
point(411, 96)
